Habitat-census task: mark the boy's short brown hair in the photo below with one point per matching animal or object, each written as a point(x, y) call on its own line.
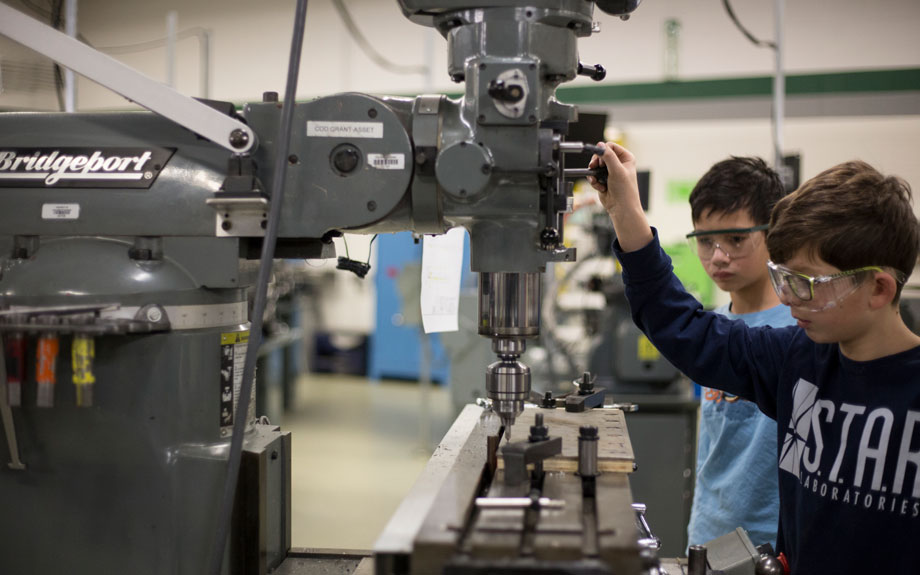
point(850, 216)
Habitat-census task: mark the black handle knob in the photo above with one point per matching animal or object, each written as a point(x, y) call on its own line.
point(596, 72)
point(600, 174)
point(505, 92)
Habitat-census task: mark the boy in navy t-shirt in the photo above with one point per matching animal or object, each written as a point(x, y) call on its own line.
point(843, 385)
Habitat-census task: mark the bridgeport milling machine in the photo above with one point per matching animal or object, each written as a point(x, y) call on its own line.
point(122, 237)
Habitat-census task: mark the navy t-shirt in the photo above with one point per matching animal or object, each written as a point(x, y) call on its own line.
point(848, 432)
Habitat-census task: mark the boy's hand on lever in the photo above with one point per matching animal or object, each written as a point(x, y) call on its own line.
point(620, 196)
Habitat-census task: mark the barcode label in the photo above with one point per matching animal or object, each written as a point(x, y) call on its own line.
point(60, 211)
point(387, 161)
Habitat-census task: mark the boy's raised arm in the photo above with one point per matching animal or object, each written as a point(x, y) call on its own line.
point(620, 196)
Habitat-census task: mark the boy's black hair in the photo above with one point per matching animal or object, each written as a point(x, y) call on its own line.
point(738, 183)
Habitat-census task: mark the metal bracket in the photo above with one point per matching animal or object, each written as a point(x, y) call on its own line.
point(562, 255)
point(587, 396)
point(240, 216)
point(576, 402)
point(519, 454)
point(124, 80)
point(426, 136)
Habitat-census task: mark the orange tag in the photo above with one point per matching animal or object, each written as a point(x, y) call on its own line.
point(47, 356)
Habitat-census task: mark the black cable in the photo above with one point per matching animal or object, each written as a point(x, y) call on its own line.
point(748, 35)
point(265, 268)
point(370, 246)
point(57, 9)
point(369, 49)
point(59, 86)
point(55, 19)
point(360, 269)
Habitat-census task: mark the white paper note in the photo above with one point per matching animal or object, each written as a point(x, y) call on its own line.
point(442, 261)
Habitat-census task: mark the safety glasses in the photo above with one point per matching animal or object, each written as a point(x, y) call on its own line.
point(821, 292)
point(736, 243)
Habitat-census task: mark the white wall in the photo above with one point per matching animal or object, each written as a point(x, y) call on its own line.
point(820, 36)
point(251, 41)
point(683, 151)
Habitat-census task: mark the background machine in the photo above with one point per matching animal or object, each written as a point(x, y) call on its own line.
point(124, 287)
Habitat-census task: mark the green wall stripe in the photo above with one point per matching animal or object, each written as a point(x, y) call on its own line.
point(899, 80)
point(805, 84)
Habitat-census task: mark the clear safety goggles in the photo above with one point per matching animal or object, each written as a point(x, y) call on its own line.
point(736, 243)
point(821, 292)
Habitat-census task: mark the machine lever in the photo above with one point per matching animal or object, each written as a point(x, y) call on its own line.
point(505, 92)
point(599, 173)
point(647, 538)
point(6, 414)
point(202, 119)
point(595, 72)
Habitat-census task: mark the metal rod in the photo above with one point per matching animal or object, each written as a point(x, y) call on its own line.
point(574, 147)
point(599, 173)
point(204, 64)
point(697, 562)
point(424, 387)
point(582, 172)
point(779, 90)
point(265, 267)
point(172, 25)
point(579, 148)
point(518, 503)
point(70, 28)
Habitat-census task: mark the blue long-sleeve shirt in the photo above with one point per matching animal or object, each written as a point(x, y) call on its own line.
point(848, 432)
point(736, 483)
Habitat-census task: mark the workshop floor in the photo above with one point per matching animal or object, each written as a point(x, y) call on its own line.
point(358, 448)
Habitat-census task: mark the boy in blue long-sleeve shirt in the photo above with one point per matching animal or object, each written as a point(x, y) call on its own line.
point(843, 385)
point(736, 483)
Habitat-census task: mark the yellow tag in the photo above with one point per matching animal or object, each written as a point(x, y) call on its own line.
point(234, 337)
point(83, 350)
point(646, 351)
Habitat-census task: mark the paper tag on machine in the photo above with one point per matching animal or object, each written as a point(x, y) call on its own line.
point(442, 261)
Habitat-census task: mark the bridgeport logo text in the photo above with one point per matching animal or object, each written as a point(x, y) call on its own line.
point(82, 167)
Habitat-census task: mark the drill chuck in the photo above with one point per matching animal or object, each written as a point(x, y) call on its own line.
point(508, 386)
